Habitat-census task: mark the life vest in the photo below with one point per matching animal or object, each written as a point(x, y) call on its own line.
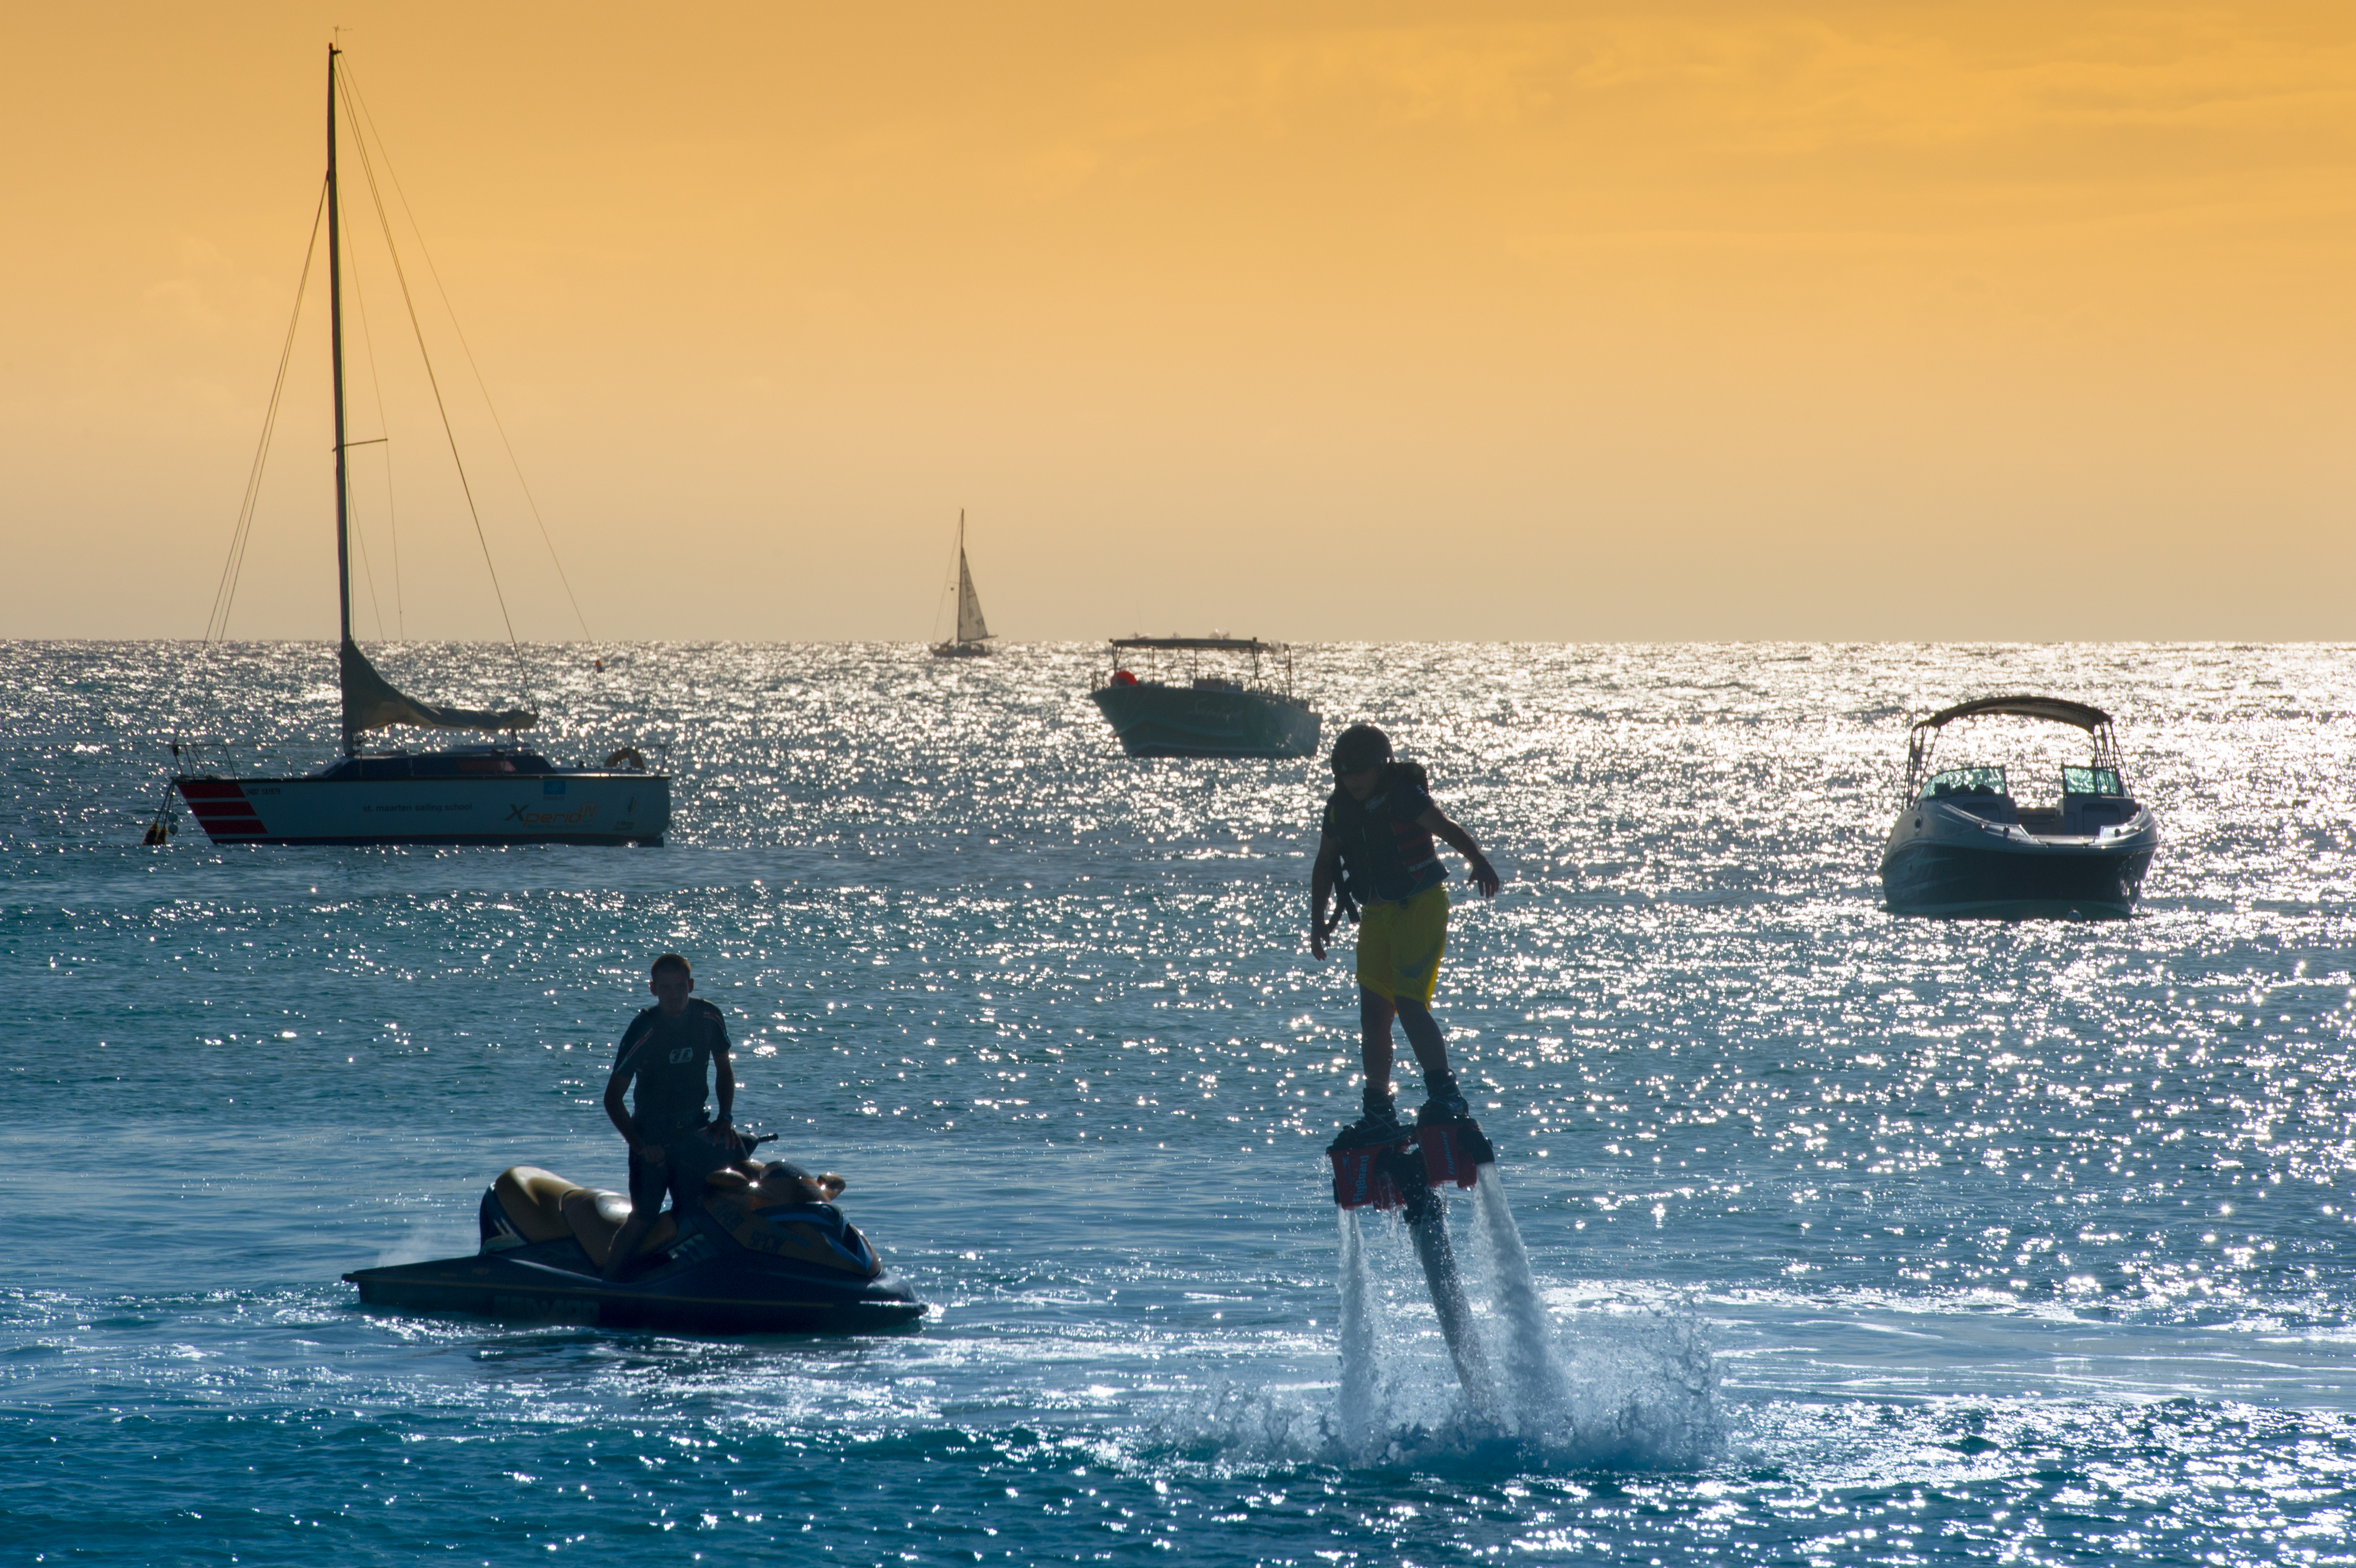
point(1384, 860)
point(671, 1059)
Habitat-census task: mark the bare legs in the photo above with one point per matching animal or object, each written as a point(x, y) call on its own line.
point(1423, 1037)
point(631, 1237)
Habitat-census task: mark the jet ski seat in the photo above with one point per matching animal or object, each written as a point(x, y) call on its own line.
point(541, 1206)
point(532, 1201)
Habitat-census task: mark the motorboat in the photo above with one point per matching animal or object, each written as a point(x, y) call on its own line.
point(1964, 845)
point(972, 637)
point(1200, 714)
point(766, 1252)
point(486, 794)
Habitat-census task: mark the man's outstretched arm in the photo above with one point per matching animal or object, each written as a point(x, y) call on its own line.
point(1484, 876)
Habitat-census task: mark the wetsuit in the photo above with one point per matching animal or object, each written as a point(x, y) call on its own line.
point(666, 1062)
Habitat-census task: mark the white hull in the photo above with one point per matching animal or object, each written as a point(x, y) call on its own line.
point(523, 808)
point(1942, 859)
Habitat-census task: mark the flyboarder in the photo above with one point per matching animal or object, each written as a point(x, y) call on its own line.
point(674, 1142)
point(1379, 825)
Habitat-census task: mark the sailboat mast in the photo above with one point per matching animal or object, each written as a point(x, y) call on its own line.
point(336, 354)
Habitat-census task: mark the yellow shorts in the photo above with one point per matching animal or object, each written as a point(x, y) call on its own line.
point(1399, 946)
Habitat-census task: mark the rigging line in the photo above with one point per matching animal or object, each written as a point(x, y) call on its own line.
point(241, 532)
point(367, 570)
point(384, 422)
point(225, 594)
point(399, 272)
point(484, 387)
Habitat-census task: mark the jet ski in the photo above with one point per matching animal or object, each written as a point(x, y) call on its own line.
point(766, 1252)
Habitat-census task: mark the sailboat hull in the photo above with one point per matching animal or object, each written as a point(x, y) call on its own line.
point(616, 808)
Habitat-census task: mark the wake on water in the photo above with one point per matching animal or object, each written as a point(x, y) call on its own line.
point(1623, 1383)
point(1618, 1383)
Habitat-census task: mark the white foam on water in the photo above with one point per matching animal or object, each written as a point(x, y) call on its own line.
point(1641, 1387)
point(1613, 1379)
point(1603, 1380)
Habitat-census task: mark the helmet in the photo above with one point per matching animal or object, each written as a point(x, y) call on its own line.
point(1360, 747)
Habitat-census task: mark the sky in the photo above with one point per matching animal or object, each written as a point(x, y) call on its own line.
point(1562, 322)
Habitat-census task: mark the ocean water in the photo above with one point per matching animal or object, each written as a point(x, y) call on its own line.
point(1852, 1239)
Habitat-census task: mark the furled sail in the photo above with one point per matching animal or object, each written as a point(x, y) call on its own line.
point(371, 702)
point(971, 627)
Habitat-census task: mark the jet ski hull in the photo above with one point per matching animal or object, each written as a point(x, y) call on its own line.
point(519, 1287)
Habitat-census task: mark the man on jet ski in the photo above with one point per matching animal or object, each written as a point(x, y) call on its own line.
point(1379, 825)
point(674, 1143)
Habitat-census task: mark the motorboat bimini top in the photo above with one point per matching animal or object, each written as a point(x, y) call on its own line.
point(767, 1252)
point(1962, 846)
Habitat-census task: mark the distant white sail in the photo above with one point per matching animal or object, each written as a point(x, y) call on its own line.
point(971, 627)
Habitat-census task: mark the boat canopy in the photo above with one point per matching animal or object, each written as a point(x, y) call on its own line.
point(2057, 710)
point(2054, 709)
point(1201, 645)
point(1279, 655)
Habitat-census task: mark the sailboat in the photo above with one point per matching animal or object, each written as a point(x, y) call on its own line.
point(972, 632)
point(476, 794)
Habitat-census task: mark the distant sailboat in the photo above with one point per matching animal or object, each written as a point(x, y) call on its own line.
point(972, 632)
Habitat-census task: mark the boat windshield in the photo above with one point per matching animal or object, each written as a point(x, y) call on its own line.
point(2090, 780)
point(1966, 781)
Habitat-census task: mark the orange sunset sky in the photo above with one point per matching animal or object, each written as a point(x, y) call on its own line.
point(1561, 322)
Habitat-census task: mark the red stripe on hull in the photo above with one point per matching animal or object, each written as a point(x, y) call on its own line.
point(221, 809)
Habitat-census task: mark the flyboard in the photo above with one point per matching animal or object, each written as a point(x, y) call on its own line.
point(1411, 1173)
